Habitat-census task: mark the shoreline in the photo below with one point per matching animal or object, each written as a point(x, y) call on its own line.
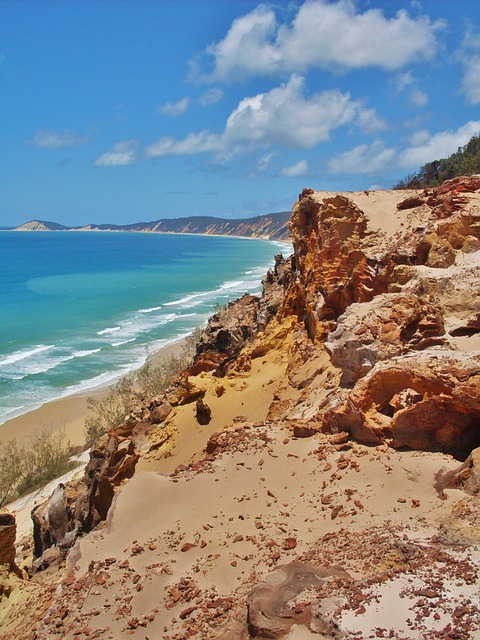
point(69, 412)
point(147, 231)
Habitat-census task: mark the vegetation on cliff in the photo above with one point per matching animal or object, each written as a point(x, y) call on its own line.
point(464, 162)
point(108, 411)
point(26, 465)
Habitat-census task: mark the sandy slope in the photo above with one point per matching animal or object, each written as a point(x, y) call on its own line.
point(191, 533)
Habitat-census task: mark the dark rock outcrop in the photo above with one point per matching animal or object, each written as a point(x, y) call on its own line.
point(226, 333)
point(203, 412)
point(78, 507)
point(8, 531)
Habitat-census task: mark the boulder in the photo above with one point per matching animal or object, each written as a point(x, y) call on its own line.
point(467, 476)
point(269, 605)
point(410, 203)
point(160, 413)
point(203, 413)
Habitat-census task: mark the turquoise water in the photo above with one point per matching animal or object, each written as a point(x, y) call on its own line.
point(80, 309)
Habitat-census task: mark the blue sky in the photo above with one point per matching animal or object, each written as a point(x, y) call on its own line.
point(125, 111)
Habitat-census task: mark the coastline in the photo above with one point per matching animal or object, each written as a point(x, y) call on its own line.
point(287, 241)
point(71, 408)
point(69, 412)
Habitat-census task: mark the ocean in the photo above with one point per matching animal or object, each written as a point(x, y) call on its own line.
point(81, 309)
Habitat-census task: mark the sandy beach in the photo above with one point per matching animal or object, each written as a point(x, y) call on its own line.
point(68, 413)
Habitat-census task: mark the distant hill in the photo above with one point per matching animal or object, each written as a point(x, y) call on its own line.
point(464, 162)
point(272, 226)
point(41, 225)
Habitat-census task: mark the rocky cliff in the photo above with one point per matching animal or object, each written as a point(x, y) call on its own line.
point(314, 473)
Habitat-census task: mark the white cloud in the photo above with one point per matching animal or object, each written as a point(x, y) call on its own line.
point(297, 169)
point(419, 137)
point(122, 154)
point(193, 144)
point(53, 140)
point(174, 109)
point(418, 98)
point(369, 121)
point(366, 159)
point(246, 50)
point(211, 96)
point(469, 56)
point(439, 145)
point(323, 34)
point(283, 116)
point(471, 79)
point(423, 147)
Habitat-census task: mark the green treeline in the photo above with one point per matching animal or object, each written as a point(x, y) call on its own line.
point(464, 162)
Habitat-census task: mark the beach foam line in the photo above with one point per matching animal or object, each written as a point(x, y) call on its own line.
point(41, 365)
point(108, 330)
point(149, 310)
point(226, 286)
point(121, 342)
point(18, 356)
point(85, 352)
point(39, 361)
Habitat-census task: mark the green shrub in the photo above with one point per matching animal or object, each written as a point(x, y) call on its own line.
point(32, 463)
point(109, 411)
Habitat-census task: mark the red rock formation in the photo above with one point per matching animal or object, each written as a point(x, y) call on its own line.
point(330, 267)
point(388, 326)
point(440, 410)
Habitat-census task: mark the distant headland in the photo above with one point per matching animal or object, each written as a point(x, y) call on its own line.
point(272, 226)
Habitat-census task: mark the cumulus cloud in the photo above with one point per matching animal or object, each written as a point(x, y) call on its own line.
point(54, 140)
point(300, 168)
point(174, 109)
point(369, 121)
point(469, 56)
point(439, 145)
point(122, 154)
point(283, 116)
point(423, 147)
point(404, 81)
point(323, 35)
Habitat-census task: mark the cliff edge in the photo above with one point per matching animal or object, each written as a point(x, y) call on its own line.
point(314, 473)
